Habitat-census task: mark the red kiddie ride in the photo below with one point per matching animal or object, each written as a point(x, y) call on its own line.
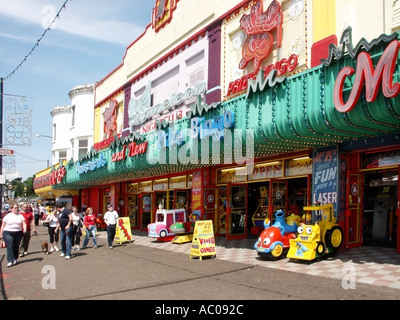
point(100, 224)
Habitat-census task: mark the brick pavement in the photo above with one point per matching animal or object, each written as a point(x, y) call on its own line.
point(374, 266)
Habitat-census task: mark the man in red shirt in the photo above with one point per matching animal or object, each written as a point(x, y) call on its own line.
point(23, 248)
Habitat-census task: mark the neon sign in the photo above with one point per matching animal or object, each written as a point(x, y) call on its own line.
point(199, 128)
point(372, 79)
point(365, 75)
point(259, 41)
point(91, 165)
point(133, 150)
point(283, 66)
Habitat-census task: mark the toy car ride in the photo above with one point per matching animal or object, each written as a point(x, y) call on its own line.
point(168, 224)
point(274, 240)
point(319, 237)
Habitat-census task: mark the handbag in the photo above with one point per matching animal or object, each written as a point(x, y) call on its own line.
point(3, 244)
point(45, 224)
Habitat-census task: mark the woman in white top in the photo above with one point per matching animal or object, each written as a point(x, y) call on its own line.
point(52, 220)
point(12, 230)
point(77, 228)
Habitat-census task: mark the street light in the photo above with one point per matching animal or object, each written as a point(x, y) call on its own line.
point(43, 135)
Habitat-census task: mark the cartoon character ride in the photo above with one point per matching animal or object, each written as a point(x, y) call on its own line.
point(274, 240)
point(321, 237)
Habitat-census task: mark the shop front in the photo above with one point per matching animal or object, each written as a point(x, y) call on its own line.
point(283, 143)
point(142, 199)
point(246, 201)
point(373, 192)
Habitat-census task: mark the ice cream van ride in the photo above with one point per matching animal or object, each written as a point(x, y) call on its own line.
point(165, 219)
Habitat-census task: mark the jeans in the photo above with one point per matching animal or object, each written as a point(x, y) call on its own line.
point(12, 240)
point(111, 234)
point(92, 230)
point(24, 245)
point(66, 240)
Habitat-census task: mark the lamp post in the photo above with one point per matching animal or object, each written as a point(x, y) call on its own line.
point(44, 136)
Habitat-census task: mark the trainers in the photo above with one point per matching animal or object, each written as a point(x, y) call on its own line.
point(62, 254)
point(21, 255)
point(67, 257)
point(9, 264)
point(95, 247)
point(51, 250)
point(56, 248)
point(15, 261)
point(110, 247)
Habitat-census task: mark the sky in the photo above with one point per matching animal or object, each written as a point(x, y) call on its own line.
point(87, 41)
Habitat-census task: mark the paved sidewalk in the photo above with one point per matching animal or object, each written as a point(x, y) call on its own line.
point(374, 266)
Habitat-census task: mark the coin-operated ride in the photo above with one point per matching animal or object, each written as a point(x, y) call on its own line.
point(161, 229)
point(274, 240)
point(321, 237)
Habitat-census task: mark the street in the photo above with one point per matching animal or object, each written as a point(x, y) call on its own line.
point(133, 272)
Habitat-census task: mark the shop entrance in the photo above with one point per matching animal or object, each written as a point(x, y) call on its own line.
point(237, 211)
point(146, 200)
point(380, 223)
point(182, 199)
point(265, 198)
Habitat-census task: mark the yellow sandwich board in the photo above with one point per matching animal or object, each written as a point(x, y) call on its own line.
point(203, 243)
point(123, 231)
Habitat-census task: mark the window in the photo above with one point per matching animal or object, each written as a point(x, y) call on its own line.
point(62, 156)
point(83, 147)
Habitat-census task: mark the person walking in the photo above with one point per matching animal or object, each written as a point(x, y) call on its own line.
point(36, 214)
point(110, 218)
point(12, 231)
point(52, 229)
point(30, 224)
point(90, 224)
point(65, 227)
point(77, 228)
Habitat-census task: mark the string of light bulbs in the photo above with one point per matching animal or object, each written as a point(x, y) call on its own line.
point(37, 42)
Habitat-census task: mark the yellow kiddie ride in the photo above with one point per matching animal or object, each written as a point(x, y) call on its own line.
point(318, 237)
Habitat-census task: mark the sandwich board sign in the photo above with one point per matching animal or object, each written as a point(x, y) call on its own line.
point(203, 243)
point(123, 231)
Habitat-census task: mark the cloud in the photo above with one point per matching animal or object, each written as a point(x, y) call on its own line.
point(94, 19)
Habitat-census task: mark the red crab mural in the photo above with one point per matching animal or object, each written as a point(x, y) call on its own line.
point(258, 26)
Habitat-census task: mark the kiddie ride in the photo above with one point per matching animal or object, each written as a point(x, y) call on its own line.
point(274, 240)
point(323, 236)
point(172, 225)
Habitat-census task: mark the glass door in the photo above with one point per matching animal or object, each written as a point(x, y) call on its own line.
point(146, 201)
point(236, 211)
point(210, 205)
point(277, 198)
point(353, 212)
point(132, 208)
point(182, 200)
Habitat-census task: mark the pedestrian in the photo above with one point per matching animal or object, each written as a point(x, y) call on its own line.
point(52, 229)
point(42, 211)
point(77, 228)
point(36, 214)
point(110, 218)
point(30, 225)
point(12, 231)
point(90, 225)
point(65, 228)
